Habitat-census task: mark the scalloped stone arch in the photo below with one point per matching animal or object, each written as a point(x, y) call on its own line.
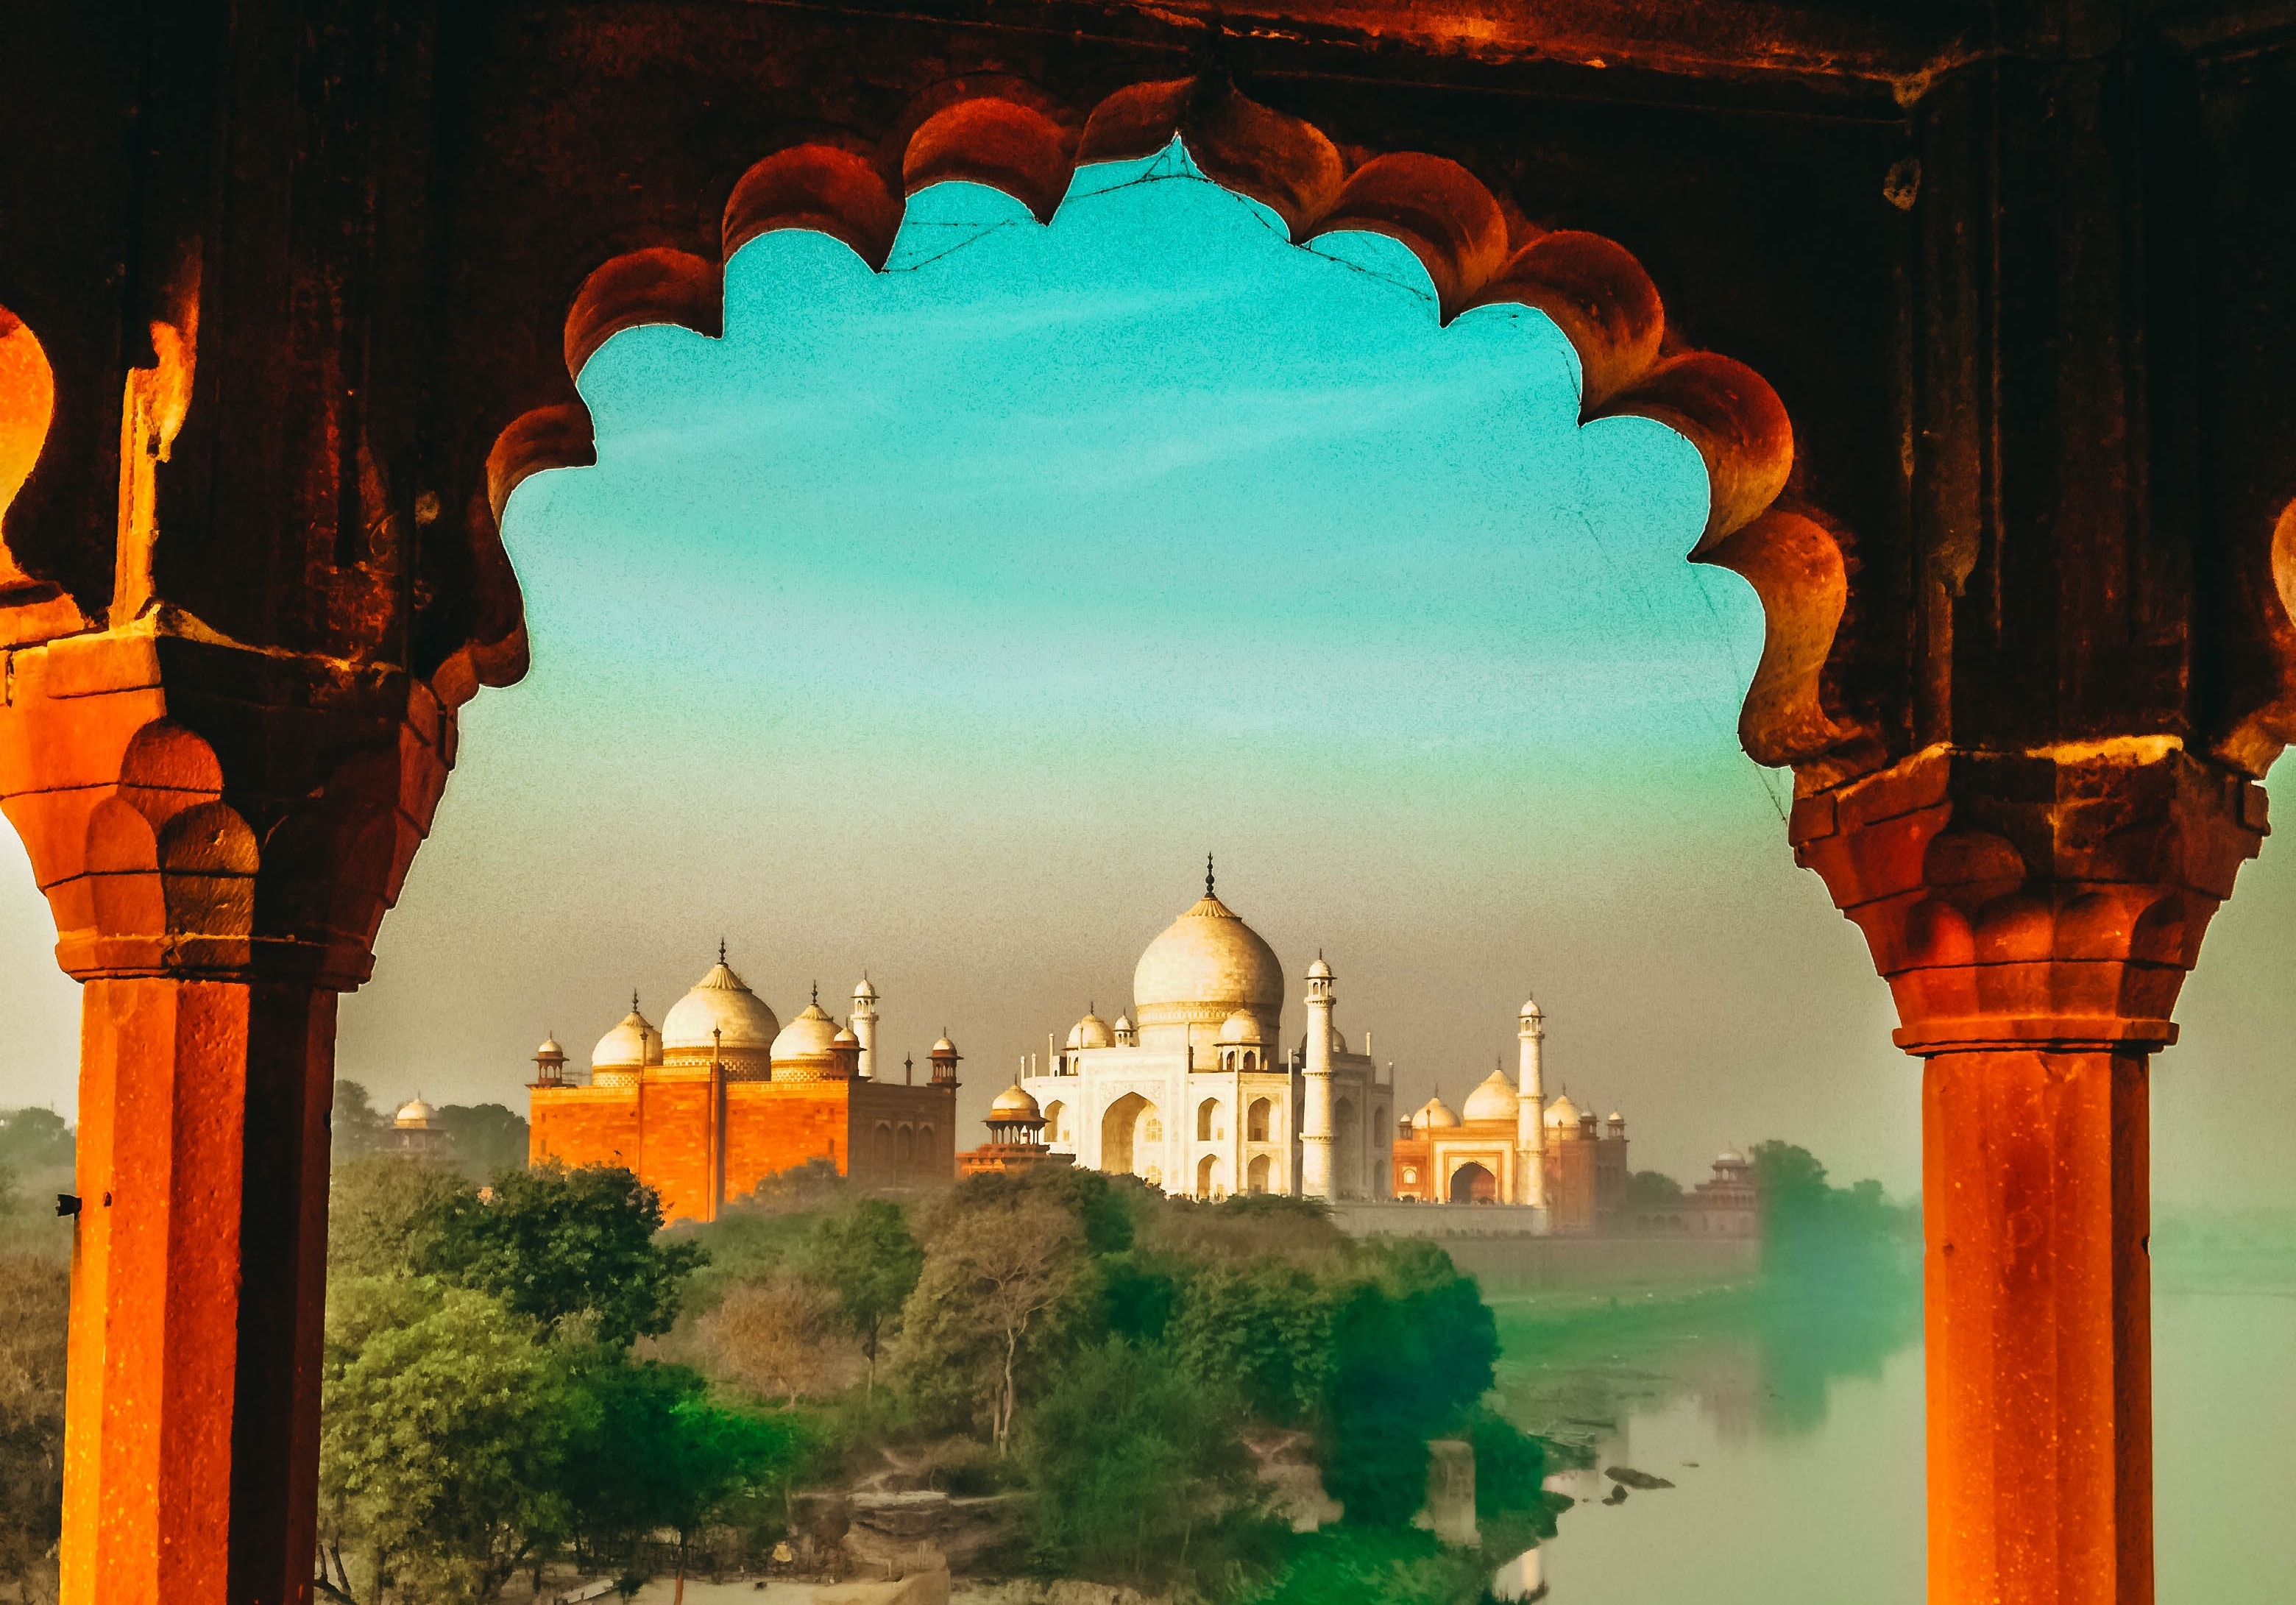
point(28, 406)
point(1592, 287)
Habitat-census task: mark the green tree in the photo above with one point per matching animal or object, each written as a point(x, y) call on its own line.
point(1261, 1329)
point(354, 1124)
point(651, 1451)
point(484, 1138)
point(1006, 1275)
point(35, 1291)
point(551, 1243)
point(1127, 1456)
point(868, 1258)
point(1654, 1191)
point(443, 1425)
point(1411, 1353)
point(384, 1212)
point(1813, 1232)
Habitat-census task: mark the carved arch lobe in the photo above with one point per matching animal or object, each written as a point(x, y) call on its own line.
point(2258, 737)
point(28, 406)
point(1475, 251)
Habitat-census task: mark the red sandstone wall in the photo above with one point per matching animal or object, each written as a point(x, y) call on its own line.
point(903, 1136)
point(675, 1133)
point(771, 1127)
point(1570, 1185)
point(583, 1125)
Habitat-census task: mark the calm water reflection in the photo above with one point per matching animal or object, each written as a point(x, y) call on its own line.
point(1794, 1445)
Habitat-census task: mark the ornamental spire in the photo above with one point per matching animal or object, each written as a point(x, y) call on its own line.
point(1207, 874)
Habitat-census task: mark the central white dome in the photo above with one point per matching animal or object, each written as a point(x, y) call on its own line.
point(1206, 966)
point(721, 1002)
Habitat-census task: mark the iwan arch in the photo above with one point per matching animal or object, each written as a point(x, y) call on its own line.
point(1980, 316)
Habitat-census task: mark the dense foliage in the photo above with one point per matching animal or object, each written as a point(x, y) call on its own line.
point(551, 1243)
point(482, 1411)
point(1812, 1230)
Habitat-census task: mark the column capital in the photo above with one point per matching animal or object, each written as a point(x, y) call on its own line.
point(203, 810)
point(2051, 898)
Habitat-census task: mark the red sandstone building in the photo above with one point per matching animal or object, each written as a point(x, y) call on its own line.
point(1472, 1156)
point(724, 1095)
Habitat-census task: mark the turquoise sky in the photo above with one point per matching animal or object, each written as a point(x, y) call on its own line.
point(940, 621)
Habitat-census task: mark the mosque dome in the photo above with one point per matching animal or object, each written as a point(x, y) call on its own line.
point(812, 1035)
point(550, 1049)
point(1562, 1115)
point(1319, 970)
point(1730, 1156)
point(414, 1114)
point(1493, 1101)
point(1531, 1011)
point(721, 1002)
point(1433, 1113)
point(845, 1037)
point(1242, 1028)
point(944, 1046)
point(1013, 1103)
point(1339, 1044)
point(1206, 965)
point(1091, 1032)
point(631, 1045)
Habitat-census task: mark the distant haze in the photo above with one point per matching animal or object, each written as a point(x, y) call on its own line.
point(938, 623)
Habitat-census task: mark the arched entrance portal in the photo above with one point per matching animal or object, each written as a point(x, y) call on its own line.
point(1471, 1184)
point(1131, 1138)
point(1259, 1174)
point(1211, 1177)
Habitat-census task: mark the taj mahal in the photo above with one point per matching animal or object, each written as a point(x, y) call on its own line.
point(1194, 1091)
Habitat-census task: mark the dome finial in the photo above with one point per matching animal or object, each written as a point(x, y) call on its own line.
point(721, 950)
point(816, 995)
point(1207, 874)
point(634, 1000)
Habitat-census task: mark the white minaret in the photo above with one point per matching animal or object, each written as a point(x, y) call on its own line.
point(864, 1026)
point(1315, 1089)
point(1530, 1107)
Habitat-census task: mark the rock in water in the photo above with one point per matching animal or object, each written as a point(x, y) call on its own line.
point(1626, 1477)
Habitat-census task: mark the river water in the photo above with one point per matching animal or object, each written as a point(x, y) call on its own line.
point(1794, 1444)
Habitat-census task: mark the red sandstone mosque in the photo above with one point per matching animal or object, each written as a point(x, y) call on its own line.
point(725, 1095)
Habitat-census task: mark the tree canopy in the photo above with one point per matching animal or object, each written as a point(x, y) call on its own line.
point(551, 1243)
point(868, 1260)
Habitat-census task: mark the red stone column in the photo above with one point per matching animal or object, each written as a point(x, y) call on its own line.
point(217, 833)
point(2035, 914)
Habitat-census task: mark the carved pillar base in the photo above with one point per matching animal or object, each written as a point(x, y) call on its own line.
point(2035, 914)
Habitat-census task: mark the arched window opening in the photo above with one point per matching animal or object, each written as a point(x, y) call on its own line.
point(1258, 1173)
point(1208, 1121)
point(884, 1143)
point(1256, 1131)
point(906, 1147)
